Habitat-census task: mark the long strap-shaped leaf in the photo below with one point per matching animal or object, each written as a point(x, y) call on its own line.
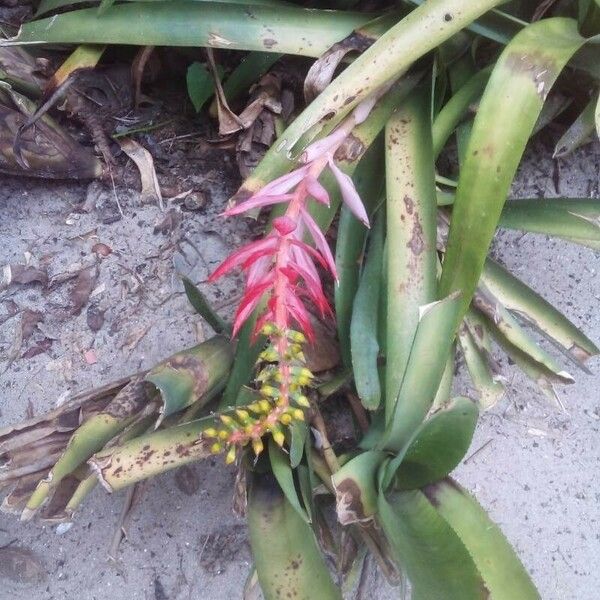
point(284, 29)
point(411, 233)
point(47, 6)
point(284, 548)
point(426, 365)
point(507, 114)
point(504, 575)
point(437, 563)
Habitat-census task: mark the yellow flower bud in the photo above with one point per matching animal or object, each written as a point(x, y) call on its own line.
point(296, 336)
point(255, 408)
point(298, 414)
point(216, 448)
point(210, 432)
point(223, 435)
point(268, 329)
point(242, 414)
point(257, 446)
point(265, 406)
point(278, 437)
point(269, 391)
point(285, 419)
point(230, 455)
point(227, 420)
point(302, 400)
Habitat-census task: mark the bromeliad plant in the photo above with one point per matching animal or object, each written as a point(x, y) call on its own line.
point(410, 290)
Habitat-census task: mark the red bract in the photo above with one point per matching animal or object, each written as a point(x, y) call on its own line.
point(281, 267)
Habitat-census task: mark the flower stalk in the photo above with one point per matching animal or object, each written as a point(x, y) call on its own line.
point(281, 274)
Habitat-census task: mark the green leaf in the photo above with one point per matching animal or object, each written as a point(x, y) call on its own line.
point(505, 324)
point(149, 455)
point(350, 243)
point(280, 464)
point(507, 113)
point(439, 445)
point(91, 436)
point(426, 365)
point(186, 376)
point(201, 305)
point(503, 573)
point(437, 563)
point(299, 434)
point(536, 311)
point(475, 344)
point(234, 26)
point(251, 69)
point(355, 486)
point(576, 220)
point(284, 549)
point(580, 131)
point(363, 327)
point(200, 85)
point(246, 355)
point(455, 109)
point(411, 233)
point(536, 371)
point(46, 6)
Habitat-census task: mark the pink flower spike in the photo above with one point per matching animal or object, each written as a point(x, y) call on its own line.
point(300, 315)
point(284, 225)
point(249, 302)
point(349, 194)
point(240, 256)
point(257, 270)
point(320, 147)
point(307, 250)
point(316, 190)
point(320, 241)
point(257, 201)
point(304, 261)
point(283, 184)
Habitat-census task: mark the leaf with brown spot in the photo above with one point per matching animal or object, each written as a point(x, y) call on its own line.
point(187, 376)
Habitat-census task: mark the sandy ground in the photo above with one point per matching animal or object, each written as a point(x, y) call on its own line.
point(536, 472)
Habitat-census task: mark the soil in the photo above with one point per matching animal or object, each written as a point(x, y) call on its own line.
point(531, 465)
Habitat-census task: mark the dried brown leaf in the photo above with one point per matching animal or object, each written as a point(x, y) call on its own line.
point(145, 164)
point(24, 274)
point(38, 348)
point(229, 122)
point(29, 322)
point(84, 285)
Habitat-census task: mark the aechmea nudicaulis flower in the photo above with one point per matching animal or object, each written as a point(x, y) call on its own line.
point(281, 269)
